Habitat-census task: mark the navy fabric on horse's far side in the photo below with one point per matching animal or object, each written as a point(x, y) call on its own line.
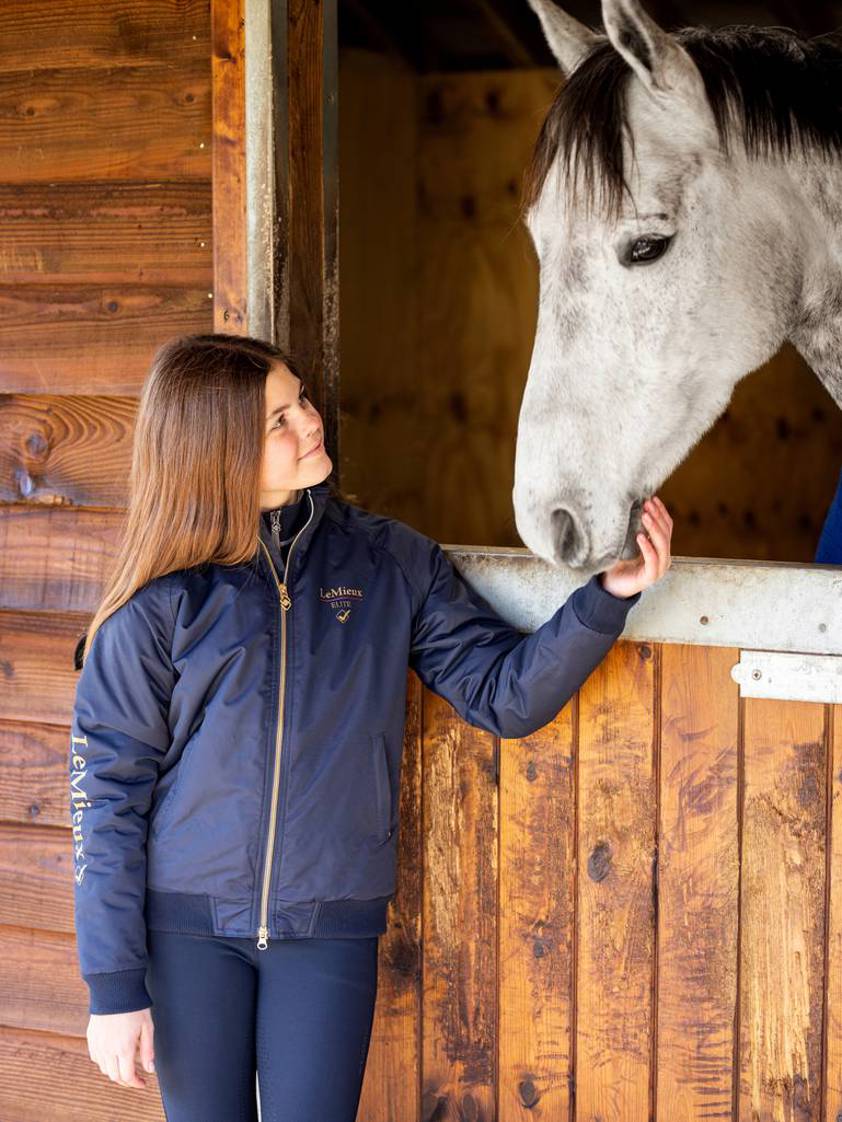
point(829, 549)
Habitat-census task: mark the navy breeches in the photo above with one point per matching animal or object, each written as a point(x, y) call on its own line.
point(296, 1015)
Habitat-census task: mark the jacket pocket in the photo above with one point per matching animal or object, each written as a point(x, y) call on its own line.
point(164, 808)
point(382, 788)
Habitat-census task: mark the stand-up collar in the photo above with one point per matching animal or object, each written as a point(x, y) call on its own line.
point(315, 500)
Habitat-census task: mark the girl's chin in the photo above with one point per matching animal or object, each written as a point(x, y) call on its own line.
point(316, 468)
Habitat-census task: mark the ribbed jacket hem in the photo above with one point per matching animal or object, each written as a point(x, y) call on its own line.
point(194, 914)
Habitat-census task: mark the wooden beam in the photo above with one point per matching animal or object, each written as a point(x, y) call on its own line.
point(307, 302)
point(230, 311)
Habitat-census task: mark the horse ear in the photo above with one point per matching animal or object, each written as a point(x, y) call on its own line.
point(654, 55)
point(568, 39)
point(662, 64)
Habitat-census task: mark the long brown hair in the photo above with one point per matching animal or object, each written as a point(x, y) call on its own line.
point(194, 482)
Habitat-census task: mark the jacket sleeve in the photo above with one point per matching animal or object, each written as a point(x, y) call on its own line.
point(495, 676)
point(119, 733)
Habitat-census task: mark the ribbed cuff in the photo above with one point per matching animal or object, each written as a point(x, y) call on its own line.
point(121, 991)
point(601, 610)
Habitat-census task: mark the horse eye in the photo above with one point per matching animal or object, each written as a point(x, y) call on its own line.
point(646, 249)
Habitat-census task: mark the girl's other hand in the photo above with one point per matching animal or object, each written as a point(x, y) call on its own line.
point(627, 577)
point(112, 1041)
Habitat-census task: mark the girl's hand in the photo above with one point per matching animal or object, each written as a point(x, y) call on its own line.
point(627, 577)
point(112, 1040)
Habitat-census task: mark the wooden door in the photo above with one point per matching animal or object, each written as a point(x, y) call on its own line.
point(634, 913)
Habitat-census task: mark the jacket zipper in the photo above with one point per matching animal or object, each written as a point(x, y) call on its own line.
point(286, 603)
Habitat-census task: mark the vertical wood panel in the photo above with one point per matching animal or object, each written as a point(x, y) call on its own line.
point(459, 808)
point(537, 917)
point(229, 166)
point(392, 1077)
point(833, 964)
point(311, 253)
point(615, 927)
point(698, 883)
point(782, 911)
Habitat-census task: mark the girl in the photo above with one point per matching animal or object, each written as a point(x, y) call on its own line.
point(237, 735)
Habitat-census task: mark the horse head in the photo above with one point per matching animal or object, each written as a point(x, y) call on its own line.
point(679, 199)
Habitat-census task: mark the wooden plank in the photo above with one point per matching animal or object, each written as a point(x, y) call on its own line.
point(45, 1077)
point(91, 339)
point(616, 909)
point(39, 971)
point(59, 450)
point(537, 921)
point(782, 911)
point(310, 255)
point(106, 233)
point(833, 963)
point(137, 123)
point(392, 1076)
point(459, 809)
point(56, 559)
point(34, 787)
point(230, 283)
point(38, 680)
point(698, 883)
point(36, 881)
point(84, 34)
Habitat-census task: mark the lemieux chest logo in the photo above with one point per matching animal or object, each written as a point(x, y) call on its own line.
point(341, 598)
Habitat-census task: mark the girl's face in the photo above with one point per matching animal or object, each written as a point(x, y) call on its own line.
point(293, 449)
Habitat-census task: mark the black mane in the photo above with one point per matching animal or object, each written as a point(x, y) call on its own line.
point(768, 86)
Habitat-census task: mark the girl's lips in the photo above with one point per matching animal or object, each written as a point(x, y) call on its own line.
point(313, 451)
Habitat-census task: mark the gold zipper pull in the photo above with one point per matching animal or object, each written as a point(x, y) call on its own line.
point(263, 940)
point(286, 599)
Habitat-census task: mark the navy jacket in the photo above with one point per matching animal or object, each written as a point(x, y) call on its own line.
point(237, 733)
point(829, 549)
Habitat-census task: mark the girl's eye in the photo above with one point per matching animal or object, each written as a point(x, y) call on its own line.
point(301, 397)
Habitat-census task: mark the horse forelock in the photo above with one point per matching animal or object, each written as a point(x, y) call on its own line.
point(771, 89)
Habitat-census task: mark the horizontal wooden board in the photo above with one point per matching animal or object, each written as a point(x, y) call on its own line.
point(61, 451)
point(139, 123)
point(45, 1077)
point(36, 877)
point(39, 978)
point(107, 232)
point(36, 660)
point(82, 34)
point(91, 339)
point(34, 788)
point(54, 559)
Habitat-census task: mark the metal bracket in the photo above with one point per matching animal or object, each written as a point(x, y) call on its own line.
point(789, 677)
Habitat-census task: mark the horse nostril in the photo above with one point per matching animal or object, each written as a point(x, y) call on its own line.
point(567, 535)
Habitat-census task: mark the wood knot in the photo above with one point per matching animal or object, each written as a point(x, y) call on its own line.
point(528, 1093)
point(599, 862)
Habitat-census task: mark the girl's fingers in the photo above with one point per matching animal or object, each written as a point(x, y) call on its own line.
point(663, 510)
point(650, 557)
point(658, 534)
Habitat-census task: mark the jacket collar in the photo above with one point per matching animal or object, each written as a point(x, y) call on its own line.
point(318, 495)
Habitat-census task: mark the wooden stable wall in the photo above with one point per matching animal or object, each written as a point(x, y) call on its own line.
point(634, 914)
point(105, 251)
point(439, 300)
